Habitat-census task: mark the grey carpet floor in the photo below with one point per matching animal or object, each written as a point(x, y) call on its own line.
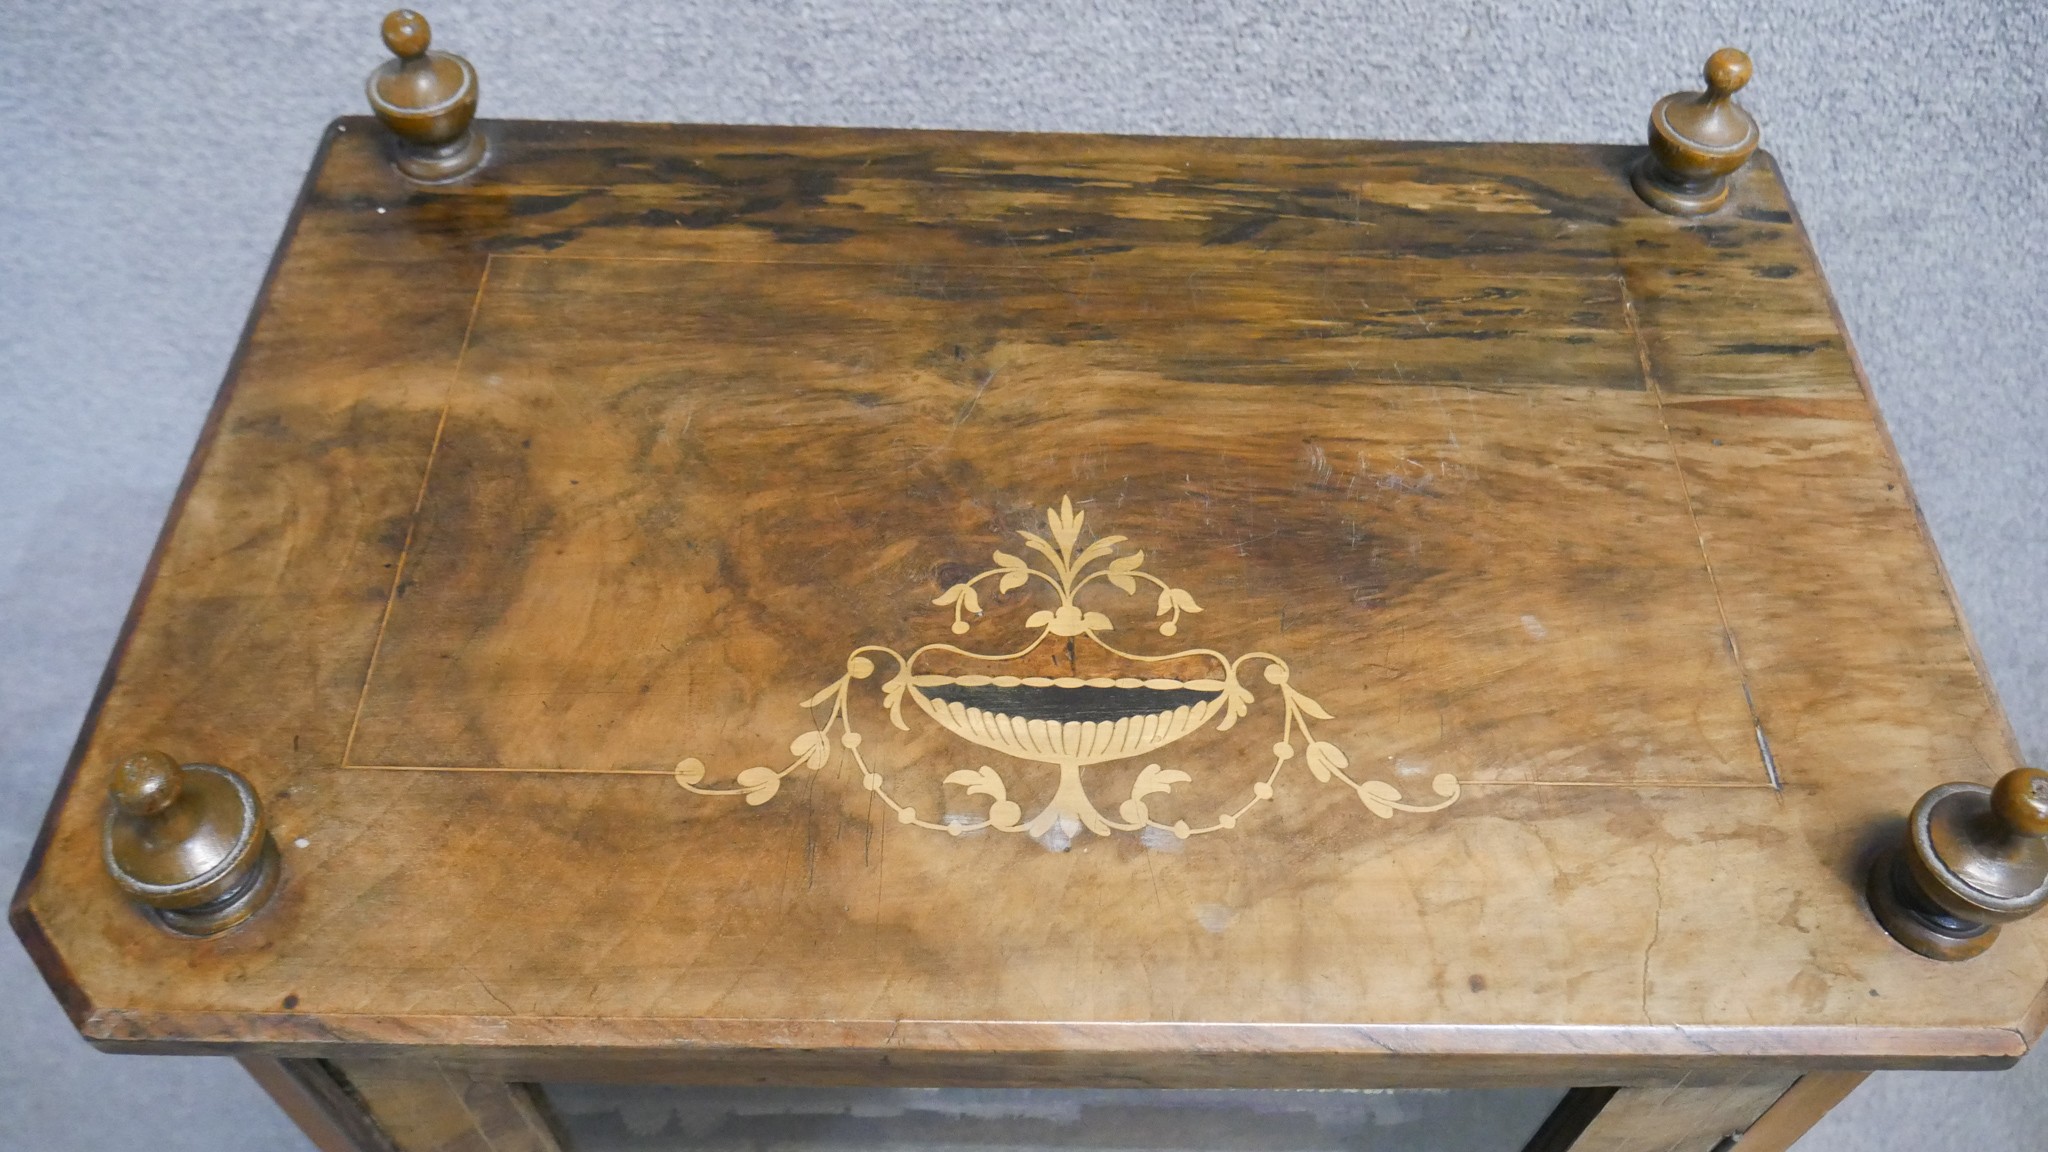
point(149, 153)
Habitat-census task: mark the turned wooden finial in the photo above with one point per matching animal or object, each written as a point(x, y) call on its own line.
point(427, 99)
point(1972, 858)
point(188, 844)
point(1696, 140)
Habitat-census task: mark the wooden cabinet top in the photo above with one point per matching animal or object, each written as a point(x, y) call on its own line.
point(1015, 608)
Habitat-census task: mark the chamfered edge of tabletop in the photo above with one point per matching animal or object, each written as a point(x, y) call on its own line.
point(63, 982)
point(1042, 1053)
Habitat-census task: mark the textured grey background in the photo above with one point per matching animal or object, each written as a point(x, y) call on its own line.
point(149, 153)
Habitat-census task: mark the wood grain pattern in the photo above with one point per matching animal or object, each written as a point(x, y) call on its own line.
point(425, 1108)
point(1574, 1113)
point(312, 1093)
point(609, 456)
point(1680, 1117)
point(1799, 1109)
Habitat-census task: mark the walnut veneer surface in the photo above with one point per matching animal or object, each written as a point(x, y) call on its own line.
point(1603, 637)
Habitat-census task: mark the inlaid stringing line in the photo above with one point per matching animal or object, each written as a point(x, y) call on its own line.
point(665, 772)
point(1735, 785)
point(738, 261)
point(448, 398)
point(419, 501)
point(1763, 744)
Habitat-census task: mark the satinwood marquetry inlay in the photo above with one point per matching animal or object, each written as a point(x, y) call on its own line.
point(1069, 722)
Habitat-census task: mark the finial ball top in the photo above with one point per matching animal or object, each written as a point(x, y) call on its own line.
point(147, 783)
point(406, 33)
point(1727, 71)
point(2020, 799)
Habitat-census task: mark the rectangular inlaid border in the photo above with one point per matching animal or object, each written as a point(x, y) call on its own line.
point(1766, 761)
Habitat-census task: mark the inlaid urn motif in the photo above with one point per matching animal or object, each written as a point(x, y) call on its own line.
point(1067, 722)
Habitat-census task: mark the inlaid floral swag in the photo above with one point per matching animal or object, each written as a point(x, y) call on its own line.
point(974, 708)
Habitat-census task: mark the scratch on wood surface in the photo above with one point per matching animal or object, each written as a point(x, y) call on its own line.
point(1318, 463)
point(975, 399)
point(488, 991)
point(1656, 931)
point(1763, 745)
